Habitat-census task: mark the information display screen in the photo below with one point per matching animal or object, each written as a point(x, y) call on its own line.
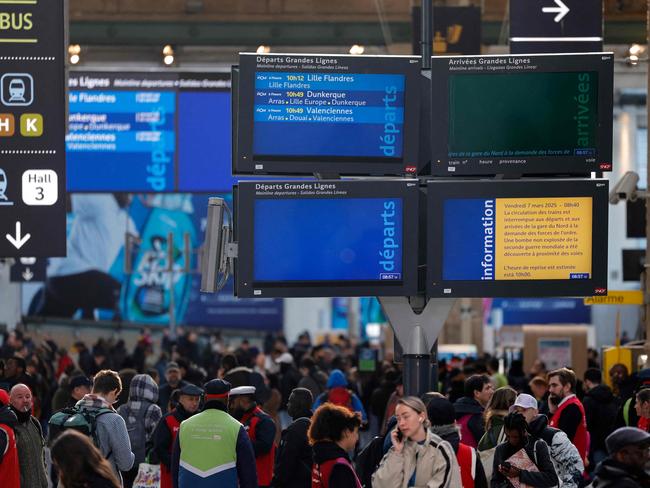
point(533, 238)
point(327, 238)
point(542, 114)
point(300, 114)
point(149, 132)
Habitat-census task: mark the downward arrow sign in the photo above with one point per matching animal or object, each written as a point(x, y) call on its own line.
point(28, 275)
point(561, 10)
point(18, 241)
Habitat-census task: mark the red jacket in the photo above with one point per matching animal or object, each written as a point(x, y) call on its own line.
point(173, 424)
point(581, 437)
point(9, 467)
point(263, 460)
point(466, 457)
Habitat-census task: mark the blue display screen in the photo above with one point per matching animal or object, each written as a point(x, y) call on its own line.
point(204, 141)
point(121, 140)
point(352, 239)
point(320, 114)
point(149, 141)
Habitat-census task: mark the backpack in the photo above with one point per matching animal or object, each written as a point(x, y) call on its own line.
point(340, 396)
point(78, 418)
point(368, 460)
point(136, 430)
point(487, 456)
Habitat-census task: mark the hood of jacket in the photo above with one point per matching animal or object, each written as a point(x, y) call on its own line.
point(143, 389)
point(537, 426)
point(324, 451)
point(601, 394)
point(337, 378)
point(7, 416)
point(466, 405)
point(447, 433)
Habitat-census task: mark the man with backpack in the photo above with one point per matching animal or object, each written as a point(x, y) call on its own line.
point(107, 427)
point(338, 393)
point(469, 409)
point(141, 414)
point(564, 454)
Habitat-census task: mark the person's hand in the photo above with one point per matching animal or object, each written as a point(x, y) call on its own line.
point(509, 471)
point(552, 407)
point(398, 444)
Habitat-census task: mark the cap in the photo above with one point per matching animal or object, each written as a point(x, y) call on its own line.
point(243, 390)
point(172, 365)
point(284, 358)
point(441, 411)
point(524, 400)
point(216, 389)
point(191, 390)
point(626, 436)
point(4, 398)
point(80, 381)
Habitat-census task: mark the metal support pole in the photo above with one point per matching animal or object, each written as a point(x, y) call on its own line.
point(418, 334)
point(172, 298)
point(426, 39)
point(646, 277)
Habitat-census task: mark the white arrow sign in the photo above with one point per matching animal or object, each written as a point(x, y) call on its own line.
point(18, 241)
point(28, 275)
point(561, 10)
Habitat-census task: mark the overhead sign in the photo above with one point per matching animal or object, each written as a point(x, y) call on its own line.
point(32, 129)
point(634, 297)
point(26, 270)
point(556, 26)
point(456, 30)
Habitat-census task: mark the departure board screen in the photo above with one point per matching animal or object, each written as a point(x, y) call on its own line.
point(518, 237)
point(149, 132)
point(522, 114)
point(328, 114)
point(327, 238)
point(300, 114)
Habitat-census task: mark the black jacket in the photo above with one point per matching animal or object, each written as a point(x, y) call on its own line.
point(600, 410)
point(469, 406)
point(7, 417)
point(537, 451)
point(293, 458)
point(341, 476)
point(612, 474)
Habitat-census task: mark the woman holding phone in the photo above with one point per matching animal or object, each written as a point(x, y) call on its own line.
point(417, 457)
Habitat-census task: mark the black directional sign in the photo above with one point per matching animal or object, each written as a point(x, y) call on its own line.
point(456, 30)
point(542, 26)
point(26, 270)
point(32, 128)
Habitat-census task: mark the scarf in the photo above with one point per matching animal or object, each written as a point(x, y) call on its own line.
point(93, 401)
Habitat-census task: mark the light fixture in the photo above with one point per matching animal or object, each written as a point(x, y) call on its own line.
point(357, 49)
point(74, 53)
point(168, 55)
point(262, 49)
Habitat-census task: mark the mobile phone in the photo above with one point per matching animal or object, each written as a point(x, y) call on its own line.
point(506, 465)
point(400, 435)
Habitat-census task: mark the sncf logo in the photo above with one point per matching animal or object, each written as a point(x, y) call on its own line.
point(600, 291)
point(605, 166)
point(411, 169)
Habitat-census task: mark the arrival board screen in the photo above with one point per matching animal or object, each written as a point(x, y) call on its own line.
point(325, 109)
point(326, 233)
point(518, 236)
point(523, 114)
point(149, 132)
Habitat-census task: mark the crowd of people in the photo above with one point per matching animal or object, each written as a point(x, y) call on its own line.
point(305, 415)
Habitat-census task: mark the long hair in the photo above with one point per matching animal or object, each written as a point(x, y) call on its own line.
point(78, 459)
point(414, 403)
point(501, 401)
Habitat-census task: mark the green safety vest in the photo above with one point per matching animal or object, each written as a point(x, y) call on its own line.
point(208, 443)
